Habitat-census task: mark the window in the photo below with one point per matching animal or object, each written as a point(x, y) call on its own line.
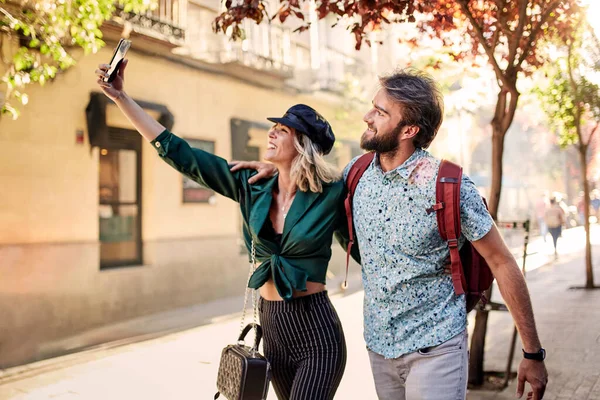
point(192, 191)
point(120, 200)
point(248, 141)
point(170, 11)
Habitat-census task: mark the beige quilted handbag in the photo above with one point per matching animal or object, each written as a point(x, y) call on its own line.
point(244, 374)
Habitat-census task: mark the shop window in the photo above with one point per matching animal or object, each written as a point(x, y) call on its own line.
point(120, 200)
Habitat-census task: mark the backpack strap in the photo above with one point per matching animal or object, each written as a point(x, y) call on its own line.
point(447, 193)
point(356, 171)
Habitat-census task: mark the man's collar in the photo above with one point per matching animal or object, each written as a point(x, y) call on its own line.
point(407, 167)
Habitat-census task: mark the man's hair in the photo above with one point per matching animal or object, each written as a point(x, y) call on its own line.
point(421, 101)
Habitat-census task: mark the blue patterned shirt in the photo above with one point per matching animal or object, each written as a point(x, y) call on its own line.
point(409, 302)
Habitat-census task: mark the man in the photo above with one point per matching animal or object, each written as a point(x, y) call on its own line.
point(414, 324)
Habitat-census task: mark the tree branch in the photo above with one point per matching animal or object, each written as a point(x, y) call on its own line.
point(513, 45)
point(4, 61)
point(500, 109)
point(582, 146)
point(535, 31)
point(570, 67)
point(499, 23)
point(575, 94)
point(512, 108)
point(593, 133)
point(8, 15)
point(496, 36)
point(481, 38)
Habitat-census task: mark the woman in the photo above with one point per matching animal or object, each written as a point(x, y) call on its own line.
point(290, 218)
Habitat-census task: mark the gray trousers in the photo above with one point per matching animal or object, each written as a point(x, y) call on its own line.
point(434, 373)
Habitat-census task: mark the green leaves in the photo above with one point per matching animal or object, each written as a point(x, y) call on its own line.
point(557, 101)
point(571, 100)
point(47, 31)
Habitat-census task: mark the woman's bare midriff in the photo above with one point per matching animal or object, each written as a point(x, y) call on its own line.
point(268, 291)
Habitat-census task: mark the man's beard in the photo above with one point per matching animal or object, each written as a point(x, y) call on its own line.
point(382, 143)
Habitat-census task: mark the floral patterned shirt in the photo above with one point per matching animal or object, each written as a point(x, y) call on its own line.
point(409, 302)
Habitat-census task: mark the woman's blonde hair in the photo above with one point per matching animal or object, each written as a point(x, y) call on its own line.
point(310, 169)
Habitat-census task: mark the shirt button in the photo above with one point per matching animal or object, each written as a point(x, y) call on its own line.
point(157, 144)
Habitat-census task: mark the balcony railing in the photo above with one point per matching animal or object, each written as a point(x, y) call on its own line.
point(336, 67)
point(270, 48)
point(165, 23)
point(265, 47)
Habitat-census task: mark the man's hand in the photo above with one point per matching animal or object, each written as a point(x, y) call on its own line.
point(513, 289)
point(264, 170)
point(535, 373)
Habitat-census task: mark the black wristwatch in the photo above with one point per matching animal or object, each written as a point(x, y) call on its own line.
point(539, 356)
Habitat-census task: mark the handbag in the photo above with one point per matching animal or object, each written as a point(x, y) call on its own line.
point(244, 374)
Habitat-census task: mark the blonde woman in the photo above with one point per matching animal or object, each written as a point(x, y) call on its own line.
point(291, 218)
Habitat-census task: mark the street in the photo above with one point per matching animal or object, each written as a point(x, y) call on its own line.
point(183, 365)
point(127, 222)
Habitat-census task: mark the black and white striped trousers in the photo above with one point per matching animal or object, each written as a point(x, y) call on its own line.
point(304, 342)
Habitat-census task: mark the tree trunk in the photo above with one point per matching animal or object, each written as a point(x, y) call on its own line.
point(589, 271)
point(477, 351)
point(498, 135)
point(503, 118)
point(506, 105)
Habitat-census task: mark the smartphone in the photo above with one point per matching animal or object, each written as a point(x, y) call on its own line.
point(117, 59)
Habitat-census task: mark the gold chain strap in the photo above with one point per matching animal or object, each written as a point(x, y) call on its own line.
point(253, 291)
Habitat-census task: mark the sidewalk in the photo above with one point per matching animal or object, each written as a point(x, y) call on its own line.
point(183, 365)
point(568, 321)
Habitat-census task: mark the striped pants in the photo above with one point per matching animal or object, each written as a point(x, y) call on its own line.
point(304, 342)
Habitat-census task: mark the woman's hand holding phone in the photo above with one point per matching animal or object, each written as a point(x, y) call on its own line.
point(111, 79)
point(115, 89)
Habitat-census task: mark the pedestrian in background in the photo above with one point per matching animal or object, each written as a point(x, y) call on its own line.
point(555, 219)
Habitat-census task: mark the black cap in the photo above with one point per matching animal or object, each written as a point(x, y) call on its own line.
point(310, 123)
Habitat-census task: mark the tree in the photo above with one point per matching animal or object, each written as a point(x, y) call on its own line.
point(41, 37)
point(572, 103)
point(509, 33)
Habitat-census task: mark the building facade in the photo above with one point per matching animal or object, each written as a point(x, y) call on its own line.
point(95, 229)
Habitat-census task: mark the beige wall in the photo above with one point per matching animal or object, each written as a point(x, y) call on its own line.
point(52, 183)
point(51, 285)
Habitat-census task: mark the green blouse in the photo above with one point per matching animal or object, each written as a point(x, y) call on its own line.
point(307, 234)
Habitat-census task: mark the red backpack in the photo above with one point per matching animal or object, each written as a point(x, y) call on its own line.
point(470, 273)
